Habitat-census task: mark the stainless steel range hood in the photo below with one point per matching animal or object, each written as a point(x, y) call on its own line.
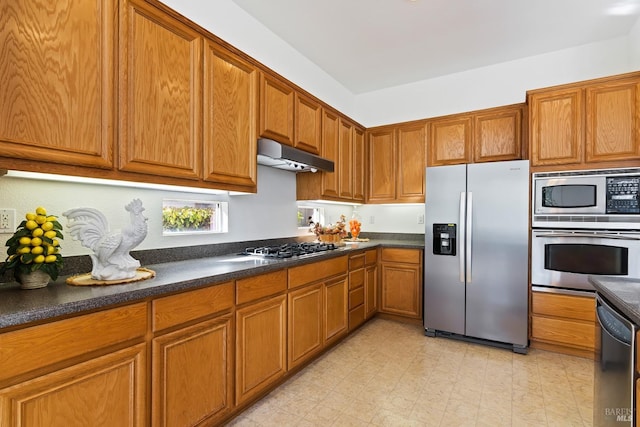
point(274, 154)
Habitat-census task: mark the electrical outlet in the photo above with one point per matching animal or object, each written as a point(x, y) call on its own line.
point(420, 218)
point(372, 219)
point(7, 220)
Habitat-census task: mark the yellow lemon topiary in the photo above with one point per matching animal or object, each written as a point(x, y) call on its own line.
point(35, 246)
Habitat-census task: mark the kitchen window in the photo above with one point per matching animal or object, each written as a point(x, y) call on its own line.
point(181, 217)
point(308, 215)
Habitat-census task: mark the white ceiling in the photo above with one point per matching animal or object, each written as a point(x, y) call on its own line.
point(368, 45)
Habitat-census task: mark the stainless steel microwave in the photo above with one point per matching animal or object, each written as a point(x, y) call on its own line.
point(604, 199)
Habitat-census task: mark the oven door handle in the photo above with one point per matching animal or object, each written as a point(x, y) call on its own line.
point(588, 235)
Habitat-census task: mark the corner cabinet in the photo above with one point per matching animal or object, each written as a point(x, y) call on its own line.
point(160, 93)
point(494, 134)
point(397, 161)
point(401, 282)
point(586, 125)
point(57, 104)
point(230, 112)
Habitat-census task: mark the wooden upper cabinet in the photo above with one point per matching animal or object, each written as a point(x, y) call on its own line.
point(330, 150)
point(498, 134)
point(382, 165)
point(612, 114)
point(345, 160)
point(556, 127)
point(308, 124)
point(57, 99)
point(359, 164)
point(412, 162)
point(450, 140)
point(160, 93)
point(276, 110)
point(230, 111)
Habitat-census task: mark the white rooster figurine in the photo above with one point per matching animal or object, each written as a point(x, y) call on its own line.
point(111, 259)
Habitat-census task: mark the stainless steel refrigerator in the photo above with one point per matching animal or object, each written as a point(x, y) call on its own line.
point(476, 252)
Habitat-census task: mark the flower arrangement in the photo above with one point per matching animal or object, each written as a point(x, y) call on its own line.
point(331, 232)
point(35, 246)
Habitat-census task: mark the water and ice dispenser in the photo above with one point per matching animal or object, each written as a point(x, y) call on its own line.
point(444, 239)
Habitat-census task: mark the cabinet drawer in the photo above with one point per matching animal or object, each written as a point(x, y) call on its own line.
point(356, 317)
point(567, 306)
point(356, 261)
point(371, 256)
point(181, 308)
point(299, 276)
point(23, 350)
point(408, 256)
point(254, 288)
point(564, 332)
point(356, 297)
point(356, 279)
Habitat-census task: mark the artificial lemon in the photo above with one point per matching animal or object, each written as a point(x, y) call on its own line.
point(41, 211)
point(24, 250)
point(56, 242)
point(31, 224)
point(37, 232)
point(50, 258)
point(25, 240)
point(50, 234)
point(47, 226)
point(37, 250)
point(39, 259)
point(52, 218)
point(30, 216)
point(36, 241)
point(41, 219)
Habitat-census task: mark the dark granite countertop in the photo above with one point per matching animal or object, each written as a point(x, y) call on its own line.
point(623, 293)
point(20, 307)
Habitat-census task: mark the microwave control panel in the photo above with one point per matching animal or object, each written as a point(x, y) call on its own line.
point(622, 194)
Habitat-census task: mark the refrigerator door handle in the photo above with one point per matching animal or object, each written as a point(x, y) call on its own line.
point(468, 230)
point(463, 209)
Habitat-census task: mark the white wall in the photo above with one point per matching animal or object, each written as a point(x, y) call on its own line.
point(271, 213)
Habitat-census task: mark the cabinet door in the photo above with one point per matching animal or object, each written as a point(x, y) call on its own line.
point(401, 291)
point(230, 105)
point(160, 93)
point(305, 323)
point(192, 374)
point(106, 391)
point(612, 113)
point(382, 166)
point(308, 124)
point(450, 141)
point(345, 160)
point(330, 150)
point(370, 291)
point(261, 340)
point(336, 295)
point(57, 98)
point(276, 110)
point(412, 161)
point(359, 162)
point(498, 134)
point(556, 127)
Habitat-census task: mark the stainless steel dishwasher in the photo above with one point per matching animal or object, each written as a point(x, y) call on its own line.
point(614, 391)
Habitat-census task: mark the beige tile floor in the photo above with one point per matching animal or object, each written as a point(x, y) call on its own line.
point(390, 374)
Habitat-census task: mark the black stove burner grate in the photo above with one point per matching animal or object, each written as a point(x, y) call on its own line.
point(289, 250)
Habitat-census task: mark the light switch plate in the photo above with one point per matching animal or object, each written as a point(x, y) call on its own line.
point(7, 220)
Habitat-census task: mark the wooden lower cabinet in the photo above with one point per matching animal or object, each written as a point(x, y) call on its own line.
point(106, 391)
point(563, 323)
point(261, 346)
point(401, 282)
point(192, 374)
point(305, 323)
point(335, 309)
point(370, 291)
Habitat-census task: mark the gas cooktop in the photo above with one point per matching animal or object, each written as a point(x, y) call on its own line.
point(290, 250)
